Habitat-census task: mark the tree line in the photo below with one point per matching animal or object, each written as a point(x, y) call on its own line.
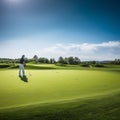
point(66, 60)
point(62, 60)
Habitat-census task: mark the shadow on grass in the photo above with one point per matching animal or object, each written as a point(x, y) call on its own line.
point(24, 78)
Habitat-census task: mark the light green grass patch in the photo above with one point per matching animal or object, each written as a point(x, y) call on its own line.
point(54, 85)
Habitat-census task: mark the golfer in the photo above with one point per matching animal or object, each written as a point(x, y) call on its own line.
point(21, 66)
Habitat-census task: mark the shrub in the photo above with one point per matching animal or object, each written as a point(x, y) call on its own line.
point(4, 66)
point(85, 65)
point(99, 65)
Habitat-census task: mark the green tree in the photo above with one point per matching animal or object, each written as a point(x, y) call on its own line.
point(71, 60)
point(52, 60)
point(76, 60)
point(35, 58)
point(61, 60)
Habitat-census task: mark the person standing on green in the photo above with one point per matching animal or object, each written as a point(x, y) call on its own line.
point(21, 67)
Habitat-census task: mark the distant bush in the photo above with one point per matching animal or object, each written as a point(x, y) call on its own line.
point(99, 65)
point(4, 66)
point(85, 65)
point(16, 66)
point(60, 64)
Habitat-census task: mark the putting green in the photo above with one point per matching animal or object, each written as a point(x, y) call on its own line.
point(54, 85)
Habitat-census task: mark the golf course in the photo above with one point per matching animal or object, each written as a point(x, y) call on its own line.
point(60, 93)
point(59, 59)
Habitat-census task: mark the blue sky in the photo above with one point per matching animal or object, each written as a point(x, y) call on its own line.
point(50, 28)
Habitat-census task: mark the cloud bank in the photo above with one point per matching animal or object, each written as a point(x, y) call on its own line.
point(85, 51)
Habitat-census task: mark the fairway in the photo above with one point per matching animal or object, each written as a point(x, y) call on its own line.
point(46, 86)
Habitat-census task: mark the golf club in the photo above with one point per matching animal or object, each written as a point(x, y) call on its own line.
point(29, 73)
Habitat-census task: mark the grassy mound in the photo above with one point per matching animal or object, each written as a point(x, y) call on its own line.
point(35, 66)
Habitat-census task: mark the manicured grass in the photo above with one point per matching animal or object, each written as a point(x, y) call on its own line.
point(52, 85)
point(60, 94)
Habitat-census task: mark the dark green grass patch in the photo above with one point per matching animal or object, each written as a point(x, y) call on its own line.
point(115, 68)
point(96, 108)
point(4, 65)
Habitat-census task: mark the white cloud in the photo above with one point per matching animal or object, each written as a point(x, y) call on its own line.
point(85, 51)
point(110, 44)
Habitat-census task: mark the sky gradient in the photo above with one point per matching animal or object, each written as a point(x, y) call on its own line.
point(53, 28)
